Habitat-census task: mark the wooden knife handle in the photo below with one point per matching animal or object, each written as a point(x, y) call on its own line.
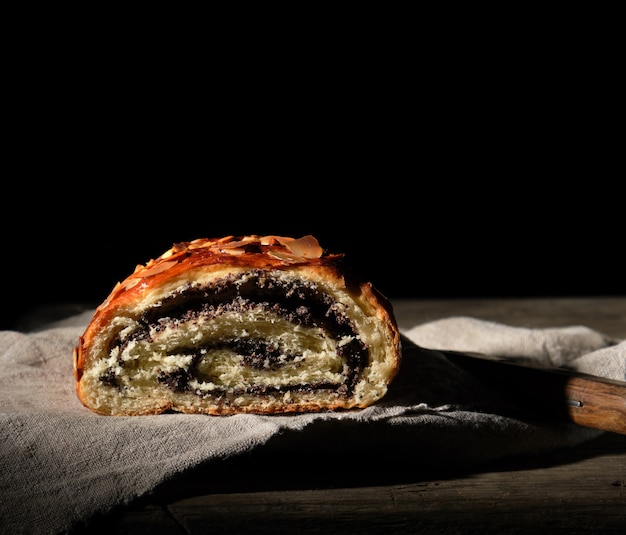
point(596, 402)
point(580, 398)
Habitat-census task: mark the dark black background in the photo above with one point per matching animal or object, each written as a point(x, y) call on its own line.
point(469, 177)
point(415, 232)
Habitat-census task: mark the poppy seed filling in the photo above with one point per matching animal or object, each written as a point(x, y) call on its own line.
point(267, 326)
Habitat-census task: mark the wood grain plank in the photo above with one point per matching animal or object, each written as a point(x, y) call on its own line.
point(605, 314)
point(583, 491)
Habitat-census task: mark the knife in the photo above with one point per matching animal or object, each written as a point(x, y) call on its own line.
point(583, 399)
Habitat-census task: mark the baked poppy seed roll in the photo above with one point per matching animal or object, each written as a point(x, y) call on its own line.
point(252, 324)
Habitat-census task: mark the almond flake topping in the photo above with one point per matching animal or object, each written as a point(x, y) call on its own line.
point(283, 248)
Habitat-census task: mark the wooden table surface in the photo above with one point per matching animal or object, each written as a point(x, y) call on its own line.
point(574, 490)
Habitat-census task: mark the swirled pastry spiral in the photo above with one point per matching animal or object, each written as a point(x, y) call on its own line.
point(250, 324)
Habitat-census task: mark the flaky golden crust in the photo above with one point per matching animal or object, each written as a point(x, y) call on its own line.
point(208, 259)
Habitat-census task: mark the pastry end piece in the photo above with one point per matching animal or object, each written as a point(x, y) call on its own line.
point(247, 324)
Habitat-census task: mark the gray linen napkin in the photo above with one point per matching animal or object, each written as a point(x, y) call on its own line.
point(60, 464)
